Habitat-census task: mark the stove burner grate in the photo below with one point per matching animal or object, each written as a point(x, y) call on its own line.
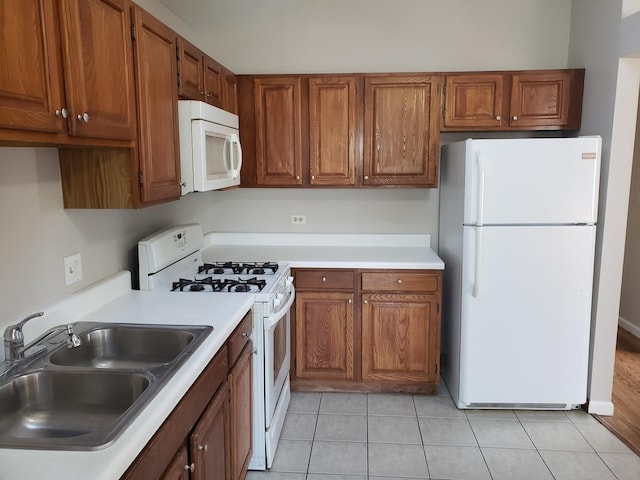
point(239, 268)
point(205, 284)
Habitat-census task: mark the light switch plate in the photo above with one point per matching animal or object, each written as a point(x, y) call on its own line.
point(72, 269)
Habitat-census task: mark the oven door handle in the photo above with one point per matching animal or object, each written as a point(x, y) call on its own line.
point(272, 321)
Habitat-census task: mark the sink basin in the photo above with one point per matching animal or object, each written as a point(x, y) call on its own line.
point(66, 409)
point(82, 398)
point(127, 347)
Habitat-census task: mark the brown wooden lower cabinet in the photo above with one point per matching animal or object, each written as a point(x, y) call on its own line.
point(324, 335)
point(210, 441)
point(367, 330)
point(178, 469)
point(240, 413)
point(208, 435)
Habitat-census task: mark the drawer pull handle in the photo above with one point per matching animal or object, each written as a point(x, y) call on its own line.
point(204, 447)
point(399, 281)
point(324, 279)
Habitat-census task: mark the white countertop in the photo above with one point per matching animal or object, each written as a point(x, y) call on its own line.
point(402, 251)
point(223, 312)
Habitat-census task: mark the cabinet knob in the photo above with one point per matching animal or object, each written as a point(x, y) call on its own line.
point(183, 184)
point(204, 447)
point(399, 281)
point(245, 334)
point(297, 177)
point(203, 93)
point(84, 117)
point(64, 113)
point(498, 117)
point(209, 94)
point(313, 177)
point(324, 279)
point(514, 117)
point(350, 301)
point(191, 467)
point(366, 177)
point(365, 302)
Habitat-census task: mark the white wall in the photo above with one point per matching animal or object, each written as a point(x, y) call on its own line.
point(276, 36)
point(609, 109)
point(630, 300)
point(326, 36)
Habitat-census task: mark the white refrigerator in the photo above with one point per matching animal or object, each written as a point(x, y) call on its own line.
point(517, 235)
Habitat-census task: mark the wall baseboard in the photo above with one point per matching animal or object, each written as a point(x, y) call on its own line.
point(632, 328)
point(600, 408)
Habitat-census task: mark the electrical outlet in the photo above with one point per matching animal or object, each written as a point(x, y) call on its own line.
point(298, 219)
point(72, 269)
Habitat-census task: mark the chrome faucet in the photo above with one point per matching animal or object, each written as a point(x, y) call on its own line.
point(73, 340)
point(14, 339)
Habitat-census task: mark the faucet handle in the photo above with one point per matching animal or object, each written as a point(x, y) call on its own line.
point(13, 333)
point(14, 338)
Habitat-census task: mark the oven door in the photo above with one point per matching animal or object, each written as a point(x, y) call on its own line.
point(277, 354)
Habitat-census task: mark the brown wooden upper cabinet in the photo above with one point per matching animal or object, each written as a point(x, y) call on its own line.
point(67, 68)
point(278, 131)
point(200, 77)
point(150, 172)
point(332, 130)
point(401, 130)
point(229, 91)
point(519, 100)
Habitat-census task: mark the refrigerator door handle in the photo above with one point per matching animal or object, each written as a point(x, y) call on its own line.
point(476, 264)
point(480, 157)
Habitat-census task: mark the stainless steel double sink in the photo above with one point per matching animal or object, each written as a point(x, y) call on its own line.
point(81, 398)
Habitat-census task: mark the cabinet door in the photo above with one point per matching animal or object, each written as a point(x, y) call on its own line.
point(213, 81)
point(155, 54)
point(332, 130)
point(324, 335)
point(401, 115)
point(31, 90)
point(474, 101)
point(209, 442)
point(278, 131)
point(540, 99)
point(400, 337)
point(240, 386)
point(190, 71)
point(98, 68)
point(178, 469)
point(230, 92)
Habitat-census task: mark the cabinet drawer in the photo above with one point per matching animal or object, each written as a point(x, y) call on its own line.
point(324, 279)
point(399, 282)
point(238, 339)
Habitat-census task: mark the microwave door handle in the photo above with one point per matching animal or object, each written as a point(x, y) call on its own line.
point(235, 173)
point(226, 154)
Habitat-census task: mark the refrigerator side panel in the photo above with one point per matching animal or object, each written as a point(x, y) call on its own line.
point(450, 247)
point(533, 181)
point(526, 314)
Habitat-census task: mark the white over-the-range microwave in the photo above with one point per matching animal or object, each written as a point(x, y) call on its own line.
point(210, 152)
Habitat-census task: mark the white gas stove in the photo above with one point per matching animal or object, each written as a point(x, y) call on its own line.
point(171, 261)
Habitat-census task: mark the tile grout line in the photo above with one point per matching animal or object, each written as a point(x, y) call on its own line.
point(535, 446)
point(484, 459)
point(424, 452)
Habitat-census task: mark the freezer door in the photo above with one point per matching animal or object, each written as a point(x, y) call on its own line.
point(525, 316)
point(532, 181)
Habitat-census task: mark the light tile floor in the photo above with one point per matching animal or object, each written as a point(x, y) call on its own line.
point(350, 436)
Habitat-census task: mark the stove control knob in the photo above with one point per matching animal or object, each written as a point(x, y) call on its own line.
point(278, 300)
